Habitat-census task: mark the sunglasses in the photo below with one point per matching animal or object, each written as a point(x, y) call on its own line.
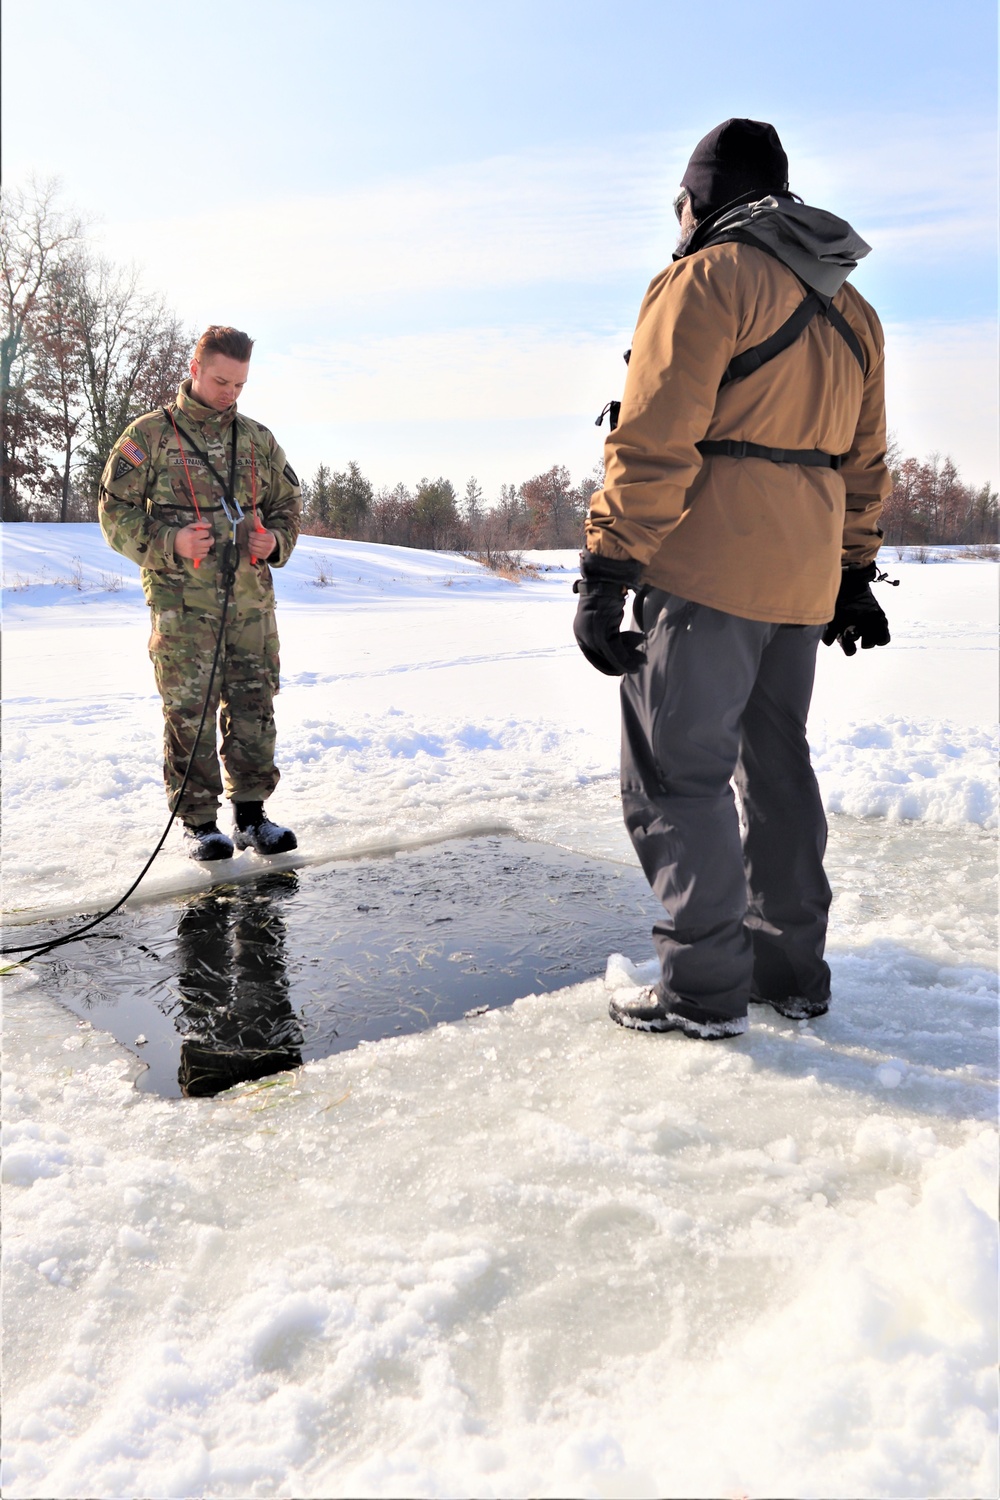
point(679, 202)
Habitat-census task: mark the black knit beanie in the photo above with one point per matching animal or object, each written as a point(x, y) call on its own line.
point(738, 160)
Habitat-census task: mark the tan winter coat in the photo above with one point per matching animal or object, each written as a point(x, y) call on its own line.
point(753, 538)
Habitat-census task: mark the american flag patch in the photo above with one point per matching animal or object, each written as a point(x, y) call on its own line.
point(132, 452)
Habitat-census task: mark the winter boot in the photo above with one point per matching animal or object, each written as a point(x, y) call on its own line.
point(659, 1009)
point(256, 831)
point(206, 842)
point(795, 1007)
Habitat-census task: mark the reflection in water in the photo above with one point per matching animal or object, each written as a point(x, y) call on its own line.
point(252, 979)
point(235, 1015)
point(246, 980)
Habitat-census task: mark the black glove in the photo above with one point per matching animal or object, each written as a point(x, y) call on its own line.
point(597, 627)
point(857, 614)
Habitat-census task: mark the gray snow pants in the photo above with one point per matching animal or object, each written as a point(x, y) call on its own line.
point(719, 699)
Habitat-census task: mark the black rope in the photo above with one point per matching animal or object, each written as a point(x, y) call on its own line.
point(228, 492)
point(34, 950)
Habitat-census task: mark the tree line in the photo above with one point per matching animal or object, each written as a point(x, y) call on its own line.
point(84, 350)
point(545, 511)
point(931, 505)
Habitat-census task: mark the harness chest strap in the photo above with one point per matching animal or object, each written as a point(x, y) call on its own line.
point(228, 492)
point(750, 360)
point(811, 458)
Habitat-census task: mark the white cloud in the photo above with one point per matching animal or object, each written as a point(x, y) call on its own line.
point(902, 172)
point(465, 375)
point(916, 188)
point(935, 240)
point(510, 221)
point(920, 189)
point(504, 402)
point(941, 393)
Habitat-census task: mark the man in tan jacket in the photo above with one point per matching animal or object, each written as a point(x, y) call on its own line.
point(744, 481)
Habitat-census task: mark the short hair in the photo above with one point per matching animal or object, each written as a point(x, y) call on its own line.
point(219, 339)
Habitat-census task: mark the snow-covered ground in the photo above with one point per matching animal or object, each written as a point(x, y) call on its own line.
point(421, 694)
point(527, 1253)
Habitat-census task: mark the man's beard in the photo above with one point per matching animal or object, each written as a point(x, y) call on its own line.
point(685, 240)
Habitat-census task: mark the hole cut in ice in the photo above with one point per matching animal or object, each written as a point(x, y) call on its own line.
point(248, 980)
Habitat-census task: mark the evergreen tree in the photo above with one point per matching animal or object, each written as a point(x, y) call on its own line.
point(472, 505)
point(435, 515)
point(351, 496)
point(317, 497)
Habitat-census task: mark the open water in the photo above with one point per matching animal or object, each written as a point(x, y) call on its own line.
point(251, 979)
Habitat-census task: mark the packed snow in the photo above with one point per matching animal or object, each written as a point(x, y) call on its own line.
point(527, 1253)
point(422, 694)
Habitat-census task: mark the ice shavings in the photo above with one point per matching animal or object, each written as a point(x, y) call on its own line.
point(623, 974)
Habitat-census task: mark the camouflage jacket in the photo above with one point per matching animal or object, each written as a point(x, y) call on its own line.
point(145, 499)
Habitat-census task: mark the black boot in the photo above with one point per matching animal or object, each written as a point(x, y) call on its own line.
point(659, 1009)
point(206, 842)
point(795, 1007)
point(256, 831)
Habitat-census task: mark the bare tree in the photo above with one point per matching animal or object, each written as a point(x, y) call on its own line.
point(931, 505)
point(555, 508)
point(35, 234)
point(134, 354)
point(391, 517)
point(508, 523)
point(58, 353)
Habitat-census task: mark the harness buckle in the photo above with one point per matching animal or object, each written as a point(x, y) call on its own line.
point(230, 517)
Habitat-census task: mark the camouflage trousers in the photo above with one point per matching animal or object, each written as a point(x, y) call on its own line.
point(240, 721)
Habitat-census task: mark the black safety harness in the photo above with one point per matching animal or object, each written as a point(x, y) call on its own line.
point(752, 359)
point(231, 507)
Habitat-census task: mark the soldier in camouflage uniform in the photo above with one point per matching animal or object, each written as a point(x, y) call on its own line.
point(161, 505)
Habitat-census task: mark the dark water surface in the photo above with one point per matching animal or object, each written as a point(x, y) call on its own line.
point(250, 979)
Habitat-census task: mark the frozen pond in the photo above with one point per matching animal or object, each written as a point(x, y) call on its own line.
point(250, 979)
point(457, 1258)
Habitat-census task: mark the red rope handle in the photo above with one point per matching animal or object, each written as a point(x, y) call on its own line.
point(187, 474)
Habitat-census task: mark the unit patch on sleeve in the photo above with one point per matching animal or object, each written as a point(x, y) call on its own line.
point(291, 475)
point(122, 467)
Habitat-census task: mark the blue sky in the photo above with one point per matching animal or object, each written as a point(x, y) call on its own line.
point(438, 219)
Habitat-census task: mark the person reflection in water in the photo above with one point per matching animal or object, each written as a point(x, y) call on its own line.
point(236, 1018)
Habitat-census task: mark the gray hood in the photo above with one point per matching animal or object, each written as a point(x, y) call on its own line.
point(820, 248)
